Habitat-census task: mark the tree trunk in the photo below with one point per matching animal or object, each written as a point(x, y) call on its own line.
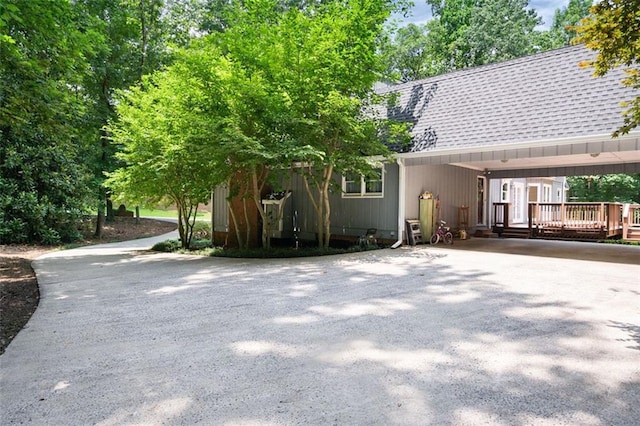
point(99, 223)
point(180, 225)
point(246, 220)
point(257, 199)
point(327, 205)
point(241, 244)
point(317, 205)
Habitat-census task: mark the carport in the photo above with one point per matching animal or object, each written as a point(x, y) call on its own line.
point(538, 116)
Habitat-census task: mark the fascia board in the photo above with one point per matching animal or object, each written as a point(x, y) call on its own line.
point(525, 145)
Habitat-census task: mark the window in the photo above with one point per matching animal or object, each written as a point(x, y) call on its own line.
point(546, 193)
point(355, 185)
point(504, 192)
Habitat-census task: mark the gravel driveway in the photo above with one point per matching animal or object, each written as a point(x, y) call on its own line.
point(413, 336)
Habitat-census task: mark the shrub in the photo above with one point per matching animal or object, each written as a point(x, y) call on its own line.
point(202, 230)
point(167, 246)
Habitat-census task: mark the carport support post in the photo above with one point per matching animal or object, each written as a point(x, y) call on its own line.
point(401, 200)
point(625, 220)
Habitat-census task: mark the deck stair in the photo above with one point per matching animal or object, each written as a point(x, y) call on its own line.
point(515, 232)
point(633, 234)
point(485, 233)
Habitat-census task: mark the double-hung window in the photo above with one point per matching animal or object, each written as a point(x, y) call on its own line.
point(356, 185)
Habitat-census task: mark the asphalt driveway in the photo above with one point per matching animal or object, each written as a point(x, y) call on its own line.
point(425, 335)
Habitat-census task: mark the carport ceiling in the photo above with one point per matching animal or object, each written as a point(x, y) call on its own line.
point(594, 159)
point(561, 157)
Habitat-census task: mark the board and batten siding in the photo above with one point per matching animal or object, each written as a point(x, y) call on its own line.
point(455, 186)
point(220, 209)
point(351, 217)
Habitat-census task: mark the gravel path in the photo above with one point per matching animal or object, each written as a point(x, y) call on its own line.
point(414, 336)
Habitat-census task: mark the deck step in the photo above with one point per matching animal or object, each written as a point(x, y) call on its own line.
point(485, 233)
point(509, 234)
point(514, 232)
point(633, 234)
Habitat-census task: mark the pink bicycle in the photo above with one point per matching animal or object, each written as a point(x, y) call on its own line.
point(442, 233)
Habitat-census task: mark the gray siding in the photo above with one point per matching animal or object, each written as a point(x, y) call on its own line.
point(220, 209)
point(456, 186)
point(350, 217)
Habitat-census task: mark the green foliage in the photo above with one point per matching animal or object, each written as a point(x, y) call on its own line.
point(202, 230)
point(43, 179)
point(328, 71)
point(469, 33)
point(167, 246)
point(612, 30)
point(132, 40)
point(622, 242)
point(165, 128)
point(408, 54)
point(565, 19)
point(621, 188)
point(174, 246)
point(464, 33)
point(500, 30)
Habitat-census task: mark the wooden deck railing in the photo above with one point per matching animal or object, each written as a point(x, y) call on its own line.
point(604, 217)
point(500, 217)
point(575, 220)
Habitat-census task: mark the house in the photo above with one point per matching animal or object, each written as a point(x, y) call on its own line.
point(485, 135)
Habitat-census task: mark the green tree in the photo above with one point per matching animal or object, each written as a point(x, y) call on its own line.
point(464, 33)
point(329, 71)
point(44, 184)
point(407, 54)
point(622, 188)
point(274, 87)
point(134, 43)
point(500, 30)
point(565, 19)
point(612, 30)
point(164, 128)
point(447, 31)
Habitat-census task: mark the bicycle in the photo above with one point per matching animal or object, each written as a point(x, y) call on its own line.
point(442, 233)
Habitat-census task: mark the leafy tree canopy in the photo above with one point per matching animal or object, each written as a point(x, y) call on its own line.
point(612, 30)
point(44, 183)
point(622, 188)
point(565, 19)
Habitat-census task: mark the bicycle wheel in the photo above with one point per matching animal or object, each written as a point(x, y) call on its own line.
point(434, 239)
point(448, 238)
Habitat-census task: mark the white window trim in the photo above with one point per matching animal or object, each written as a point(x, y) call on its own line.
point(520, 202)
point(547, 194)
point(505, 197)
point(363, 188)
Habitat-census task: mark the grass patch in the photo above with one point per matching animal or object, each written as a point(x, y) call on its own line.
point(623, 242)
point(203, 248)
point(169, 213)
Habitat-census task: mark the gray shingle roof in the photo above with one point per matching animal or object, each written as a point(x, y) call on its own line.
point(539, 97)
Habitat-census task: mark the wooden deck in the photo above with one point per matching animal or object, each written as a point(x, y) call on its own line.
point(571, 221)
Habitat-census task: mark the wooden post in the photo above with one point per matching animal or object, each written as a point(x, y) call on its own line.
point(626, 218)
